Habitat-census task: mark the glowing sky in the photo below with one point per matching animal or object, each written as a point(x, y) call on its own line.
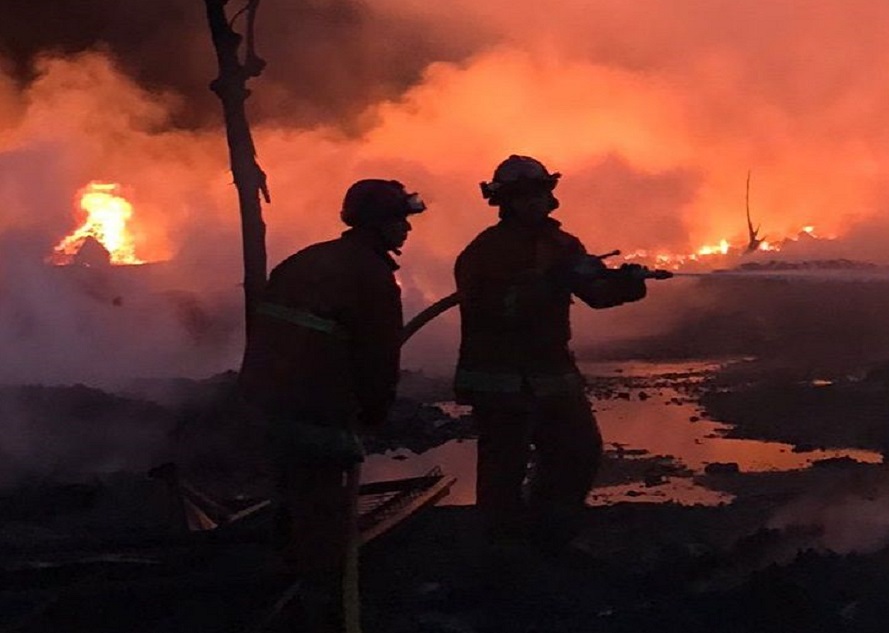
point(653, 112)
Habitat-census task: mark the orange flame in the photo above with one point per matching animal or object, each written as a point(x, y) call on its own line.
point(107, 215)
point(714, 251)
point(722, 248)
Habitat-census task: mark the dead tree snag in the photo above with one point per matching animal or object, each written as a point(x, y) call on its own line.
point(231, 88)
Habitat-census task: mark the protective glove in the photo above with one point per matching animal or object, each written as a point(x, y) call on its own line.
point(634, 271)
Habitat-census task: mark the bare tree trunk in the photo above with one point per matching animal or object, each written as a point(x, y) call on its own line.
point(231, 88)
point(753, 239)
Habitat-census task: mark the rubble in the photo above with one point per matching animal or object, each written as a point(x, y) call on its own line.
point(719, 468)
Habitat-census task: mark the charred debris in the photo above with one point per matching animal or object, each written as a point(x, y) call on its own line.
point(183, 540)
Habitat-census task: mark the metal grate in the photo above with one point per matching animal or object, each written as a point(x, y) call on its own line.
point(380, 501)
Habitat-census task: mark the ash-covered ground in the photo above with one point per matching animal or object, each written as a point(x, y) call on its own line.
point(87, 542)
point(743, 488)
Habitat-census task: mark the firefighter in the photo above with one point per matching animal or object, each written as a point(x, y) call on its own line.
point(321, 367)
point(515, 281)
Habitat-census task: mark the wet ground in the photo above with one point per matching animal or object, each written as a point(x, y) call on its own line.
point(730, 499)
point(659, 436)
point(710, 529)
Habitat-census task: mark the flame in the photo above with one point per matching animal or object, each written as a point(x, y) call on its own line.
point(722, 248)
point(107, 215)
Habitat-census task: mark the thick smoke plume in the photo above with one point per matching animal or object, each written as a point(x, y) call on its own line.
point(653, 114)
point(330, 58)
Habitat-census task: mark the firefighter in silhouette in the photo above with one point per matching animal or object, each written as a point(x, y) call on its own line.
point(321, 367)
point(516, 281)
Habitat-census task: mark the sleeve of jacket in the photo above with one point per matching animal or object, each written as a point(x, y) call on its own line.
point(376, 324)
point(599, 286)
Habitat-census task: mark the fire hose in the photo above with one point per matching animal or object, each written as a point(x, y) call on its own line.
point(592, 268)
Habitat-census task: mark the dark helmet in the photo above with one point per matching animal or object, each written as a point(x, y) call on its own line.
point(518, 175)
point(373, 201)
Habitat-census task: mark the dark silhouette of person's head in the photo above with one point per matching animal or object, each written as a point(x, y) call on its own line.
point(381, 206)
point(522, 188)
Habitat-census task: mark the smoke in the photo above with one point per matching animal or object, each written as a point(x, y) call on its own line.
point(847, 521)
point(104, 327)
point(653, 114)
point(330, 59)
point(73, 432)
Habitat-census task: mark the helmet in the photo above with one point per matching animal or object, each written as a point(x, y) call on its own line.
point(516, 175)
point(372, 201)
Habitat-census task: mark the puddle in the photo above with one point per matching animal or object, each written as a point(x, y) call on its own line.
point(652, 416)
point(662, 428)
point(667, 422)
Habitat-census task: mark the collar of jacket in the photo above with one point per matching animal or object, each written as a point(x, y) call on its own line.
point(372, 240)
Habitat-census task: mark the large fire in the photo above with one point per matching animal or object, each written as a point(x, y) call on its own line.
point(107, 215)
